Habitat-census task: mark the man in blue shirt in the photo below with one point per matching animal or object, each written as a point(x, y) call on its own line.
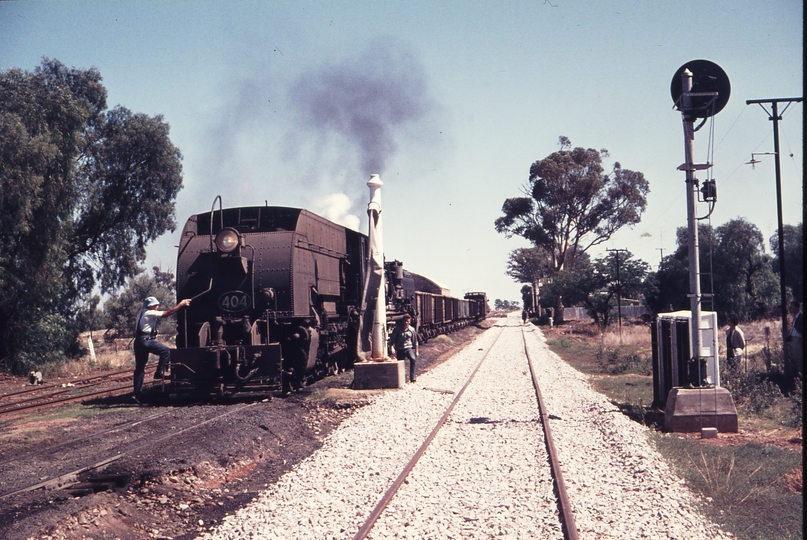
point(146, 342)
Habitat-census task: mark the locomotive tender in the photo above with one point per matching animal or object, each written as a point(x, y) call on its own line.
point(276, 299)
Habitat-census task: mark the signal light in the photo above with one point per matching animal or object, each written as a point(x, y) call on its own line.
point(709, 190)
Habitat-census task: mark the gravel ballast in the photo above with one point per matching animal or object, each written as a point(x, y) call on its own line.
point(486, 473)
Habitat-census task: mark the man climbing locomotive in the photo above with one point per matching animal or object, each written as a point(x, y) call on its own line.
point(145, 340)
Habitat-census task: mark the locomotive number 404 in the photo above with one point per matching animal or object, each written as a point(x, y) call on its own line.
point(234, 301)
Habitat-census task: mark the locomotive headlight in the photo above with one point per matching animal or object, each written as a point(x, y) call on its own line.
point(227, 240)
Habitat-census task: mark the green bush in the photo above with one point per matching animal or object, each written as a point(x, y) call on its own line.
point(752, 391)
point(42, 341)
point(797, 405)
point(615, 362)
point(771, 355)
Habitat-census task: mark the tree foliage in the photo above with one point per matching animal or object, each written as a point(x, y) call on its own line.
point(526, 297)
point(506, 305)
point(528, 265)
point(83, 190)
point(121, 309)
point(734, 268)
point(745, 283)
point(571, 204)
point(793, 257)
point(596, 285)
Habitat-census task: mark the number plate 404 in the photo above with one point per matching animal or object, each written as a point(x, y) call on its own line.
point(234, 301)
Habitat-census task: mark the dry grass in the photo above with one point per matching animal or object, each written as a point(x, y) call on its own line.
point(116, 354)
point(753, 488)
point(633, 335)
point(758, 334)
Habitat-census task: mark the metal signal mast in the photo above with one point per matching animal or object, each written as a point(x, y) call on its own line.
point(700, 89)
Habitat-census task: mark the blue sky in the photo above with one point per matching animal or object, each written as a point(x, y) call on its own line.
point(297, 103)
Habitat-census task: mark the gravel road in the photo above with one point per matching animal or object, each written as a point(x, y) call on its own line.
point(486, 474)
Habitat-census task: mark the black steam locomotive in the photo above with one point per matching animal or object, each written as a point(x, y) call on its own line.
point(276, 299)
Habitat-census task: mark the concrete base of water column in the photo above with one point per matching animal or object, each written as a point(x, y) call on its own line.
point(691, 410)
point(371, 375)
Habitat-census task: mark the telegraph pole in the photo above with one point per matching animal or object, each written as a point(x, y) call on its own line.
point(775, 117)
point(618, 291)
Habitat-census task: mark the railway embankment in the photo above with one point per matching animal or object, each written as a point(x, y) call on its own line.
point(485, 473)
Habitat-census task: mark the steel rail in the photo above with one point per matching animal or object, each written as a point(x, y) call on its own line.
point(569, 526)
point(114, 390)
point(116, 376)
point(66, 479)
point(364, 530)
point(567, 517)
point(62, 390)
point(76, 383)
point(51, 449)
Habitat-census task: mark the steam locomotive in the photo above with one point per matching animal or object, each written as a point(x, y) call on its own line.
point(276, 300)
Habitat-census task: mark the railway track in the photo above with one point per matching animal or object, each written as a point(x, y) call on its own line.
point(457, 455)
point(121, 447)
point(41, 396)
point(564, 507)
point(484, 473)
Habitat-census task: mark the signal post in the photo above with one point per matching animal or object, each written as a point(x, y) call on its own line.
point(700, 89)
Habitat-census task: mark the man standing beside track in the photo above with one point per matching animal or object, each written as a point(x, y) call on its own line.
point(735, 343)
point(405, 340)
point(145, 342)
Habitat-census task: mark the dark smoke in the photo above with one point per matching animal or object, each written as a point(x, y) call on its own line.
point(308, 140)
point(367, 103)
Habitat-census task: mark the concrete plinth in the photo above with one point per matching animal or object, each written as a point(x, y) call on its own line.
point(370, 375)
point(709, 433)
point(691, 410)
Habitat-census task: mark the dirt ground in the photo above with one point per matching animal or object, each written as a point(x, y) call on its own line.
point(176, 473)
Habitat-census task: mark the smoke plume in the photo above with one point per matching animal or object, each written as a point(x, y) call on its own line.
point(313, 140)
point(367, 106)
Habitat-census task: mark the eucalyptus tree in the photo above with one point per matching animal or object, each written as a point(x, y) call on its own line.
point(83, 190)
point(736, 273)
point(595, 285)
point(793, 256)
point(571, 204)
point(745, 283)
